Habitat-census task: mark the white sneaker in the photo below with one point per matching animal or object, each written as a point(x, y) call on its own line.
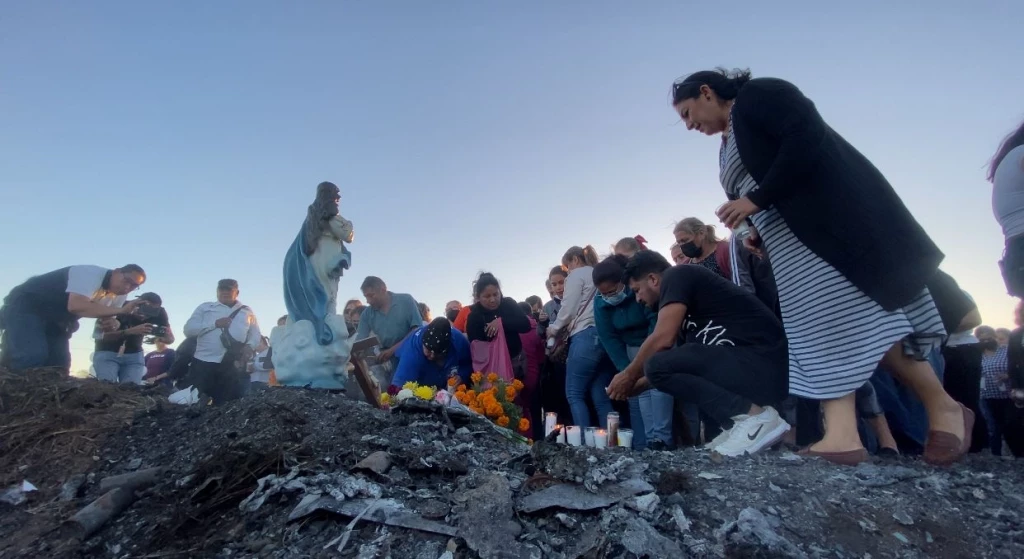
point(750, 434)
point(724, 435)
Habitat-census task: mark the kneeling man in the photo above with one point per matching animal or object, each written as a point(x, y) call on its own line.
point(433, 354)
point(732, 360)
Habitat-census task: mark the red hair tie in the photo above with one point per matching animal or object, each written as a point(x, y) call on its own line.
point(640, 239)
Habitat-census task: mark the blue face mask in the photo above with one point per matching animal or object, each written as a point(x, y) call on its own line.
point(614, 300)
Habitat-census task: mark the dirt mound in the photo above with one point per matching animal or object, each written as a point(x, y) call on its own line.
point(300, 473)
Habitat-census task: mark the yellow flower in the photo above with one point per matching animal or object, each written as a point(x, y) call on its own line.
point(492, 377)
point(524, 424)
point(502, 421)
point(410, 386)
point(385, 398)
point(476, 377)
point(424, 392)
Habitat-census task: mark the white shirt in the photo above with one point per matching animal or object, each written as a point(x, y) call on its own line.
point(202, 323)
point(88, 281)
point(579, 287)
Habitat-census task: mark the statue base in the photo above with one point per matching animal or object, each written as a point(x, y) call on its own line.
point(300, 360)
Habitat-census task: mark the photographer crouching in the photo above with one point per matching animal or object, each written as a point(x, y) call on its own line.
point(118, 356)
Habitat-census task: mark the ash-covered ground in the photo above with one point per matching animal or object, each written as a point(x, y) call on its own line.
point(300, 473)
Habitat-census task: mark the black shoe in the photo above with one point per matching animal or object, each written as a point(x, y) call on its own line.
point(657, 445)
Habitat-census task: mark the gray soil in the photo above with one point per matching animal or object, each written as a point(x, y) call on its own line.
point(273, 476)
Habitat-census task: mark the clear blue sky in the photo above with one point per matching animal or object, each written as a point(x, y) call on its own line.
point(189, 136)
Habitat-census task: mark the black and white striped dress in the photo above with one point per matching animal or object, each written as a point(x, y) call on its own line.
point(837, 334)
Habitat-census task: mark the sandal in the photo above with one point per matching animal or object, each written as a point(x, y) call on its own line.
point(846, 458)
point(943, 449)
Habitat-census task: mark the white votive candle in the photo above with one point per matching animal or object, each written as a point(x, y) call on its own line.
point(588, 435)
point(550, 420)
point(601, 438)
point(626, 438)
point(573, 435)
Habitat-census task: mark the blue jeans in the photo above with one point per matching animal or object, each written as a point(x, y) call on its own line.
point(655, 407)
point(588, 372)
point(111, 367)
point(30, 340)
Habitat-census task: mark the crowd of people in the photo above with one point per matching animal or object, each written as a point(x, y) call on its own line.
point(823, 320)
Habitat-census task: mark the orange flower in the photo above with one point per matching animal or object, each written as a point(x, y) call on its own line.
point(502, 421)
point(510, 393)
point(452, 381)
point(471, 394)
point(477, 410)
point(494, 411)
point(492, 377)
point(524, 424)
point(461, 388)
point(517, 384)
point(476, 377)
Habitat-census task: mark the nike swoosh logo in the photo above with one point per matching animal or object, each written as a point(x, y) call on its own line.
point(756, 433)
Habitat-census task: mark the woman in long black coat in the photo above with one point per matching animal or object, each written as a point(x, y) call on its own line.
point(850, 261)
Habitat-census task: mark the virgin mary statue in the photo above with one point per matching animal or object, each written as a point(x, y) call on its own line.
point(316, 261)
point(313, 347)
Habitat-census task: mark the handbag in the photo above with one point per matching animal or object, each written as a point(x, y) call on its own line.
point(237, 354)
point(493, 356)
point(559, 353)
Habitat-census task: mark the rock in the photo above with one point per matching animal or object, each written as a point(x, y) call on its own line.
point(433, 509)
point(709, 475)
point(901, 538)
point(135, 464)
point(378, 462)
point(751, 535)
point(574, 497)
point(642, 540)
point(679, 517)
point(903, 518)
point(486, 520)
point(645, 504)
point(71, 488)
point(566, 520)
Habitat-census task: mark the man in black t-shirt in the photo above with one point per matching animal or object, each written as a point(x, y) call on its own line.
point(731, 358)
point(118, 356)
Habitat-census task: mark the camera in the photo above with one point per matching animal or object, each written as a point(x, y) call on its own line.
point(158, 331)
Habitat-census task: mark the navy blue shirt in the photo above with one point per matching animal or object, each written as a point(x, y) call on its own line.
point(413, 366)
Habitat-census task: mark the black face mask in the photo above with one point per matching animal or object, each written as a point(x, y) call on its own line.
point(451, 314)
point(989, 345)
point(691, 250)
point(351, 327)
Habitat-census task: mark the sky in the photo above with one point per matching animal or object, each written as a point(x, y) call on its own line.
point(466, 136)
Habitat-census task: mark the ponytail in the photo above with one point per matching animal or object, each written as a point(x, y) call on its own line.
point(587, 255)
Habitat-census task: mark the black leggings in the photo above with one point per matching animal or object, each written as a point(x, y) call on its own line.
point(722, 380)
point(1011, 420)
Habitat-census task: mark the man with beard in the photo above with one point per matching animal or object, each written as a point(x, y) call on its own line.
point(733, 359)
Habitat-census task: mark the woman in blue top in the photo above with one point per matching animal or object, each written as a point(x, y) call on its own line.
point(623, 324)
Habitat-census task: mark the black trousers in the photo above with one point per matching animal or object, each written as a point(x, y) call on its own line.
point(552, 393)
point(962, 381)
point(722, 380)
point(218, 381)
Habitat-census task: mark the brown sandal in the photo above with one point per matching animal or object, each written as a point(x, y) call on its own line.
point(846, 458)
point(943, 449)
